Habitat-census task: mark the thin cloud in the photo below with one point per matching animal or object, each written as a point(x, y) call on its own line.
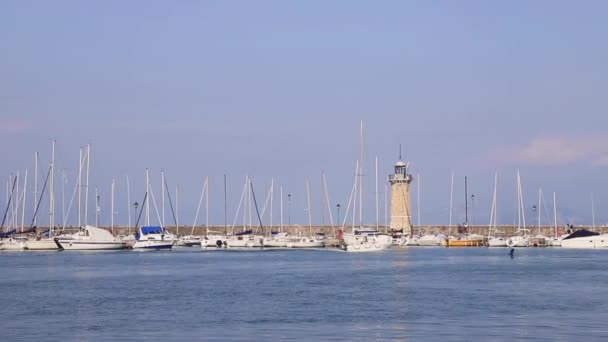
point(13, 127)
point(561, 151)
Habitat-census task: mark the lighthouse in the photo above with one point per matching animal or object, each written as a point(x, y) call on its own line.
point(401, 213)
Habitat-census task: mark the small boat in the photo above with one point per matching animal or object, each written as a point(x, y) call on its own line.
point(431, 240)
point(13, 244)
point(366, 241)
point(245, 240)
point(190, 241)
point(90, 238)
point(497, 242)
point(585, 239)
point(213, 241)
point(466, 241)
point(519, 240)
point(305, 242)
point(153, 237)
point(41, 244)
point(277, 240)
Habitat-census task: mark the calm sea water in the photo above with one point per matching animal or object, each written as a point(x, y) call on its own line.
point(415, 294)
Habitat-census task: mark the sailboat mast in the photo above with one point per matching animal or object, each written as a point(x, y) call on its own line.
point(162, 192)
point(377, 213)
point(112, 205)
point(147, 202)
point(86, 195)
point(281, 191)
point(361, 178)
point(23, 205)
point(592, 211)
point(129, 203)
point(207, 204)
point(64, 179)
point(466, 203)
point(35, 184)
point(52, 191)
point(97, 209)
point(79, 187)
point(271, 199)
point(176, 211)
point(309, 215)
point(451, 203)
point(225, 205)
point(418, 199)
point(540, 194)
point(555, 213)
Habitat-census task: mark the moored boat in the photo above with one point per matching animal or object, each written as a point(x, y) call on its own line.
point(153, 237)
point(90, 238)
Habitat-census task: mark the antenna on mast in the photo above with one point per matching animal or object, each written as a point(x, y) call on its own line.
point(400, 152)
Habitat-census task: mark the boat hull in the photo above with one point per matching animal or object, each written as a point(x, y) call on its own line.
point(497, 242)
point(82, 245)
point(465, 243)
point(588, 242)
point(12, 245)
point(41, 245)
point(154, 244)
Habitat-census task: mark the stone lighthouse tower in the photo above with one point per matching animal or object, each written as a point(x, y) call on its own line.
point(401, 210)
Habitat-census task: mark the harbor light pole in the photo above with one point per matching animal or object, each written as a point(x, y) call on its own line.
point(338, 207)
point(135, 206)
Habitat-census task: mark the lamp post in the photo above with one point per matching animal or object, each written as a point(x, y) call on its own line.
point(135, 205)
point(473, 207)
point(289, 209)
point(534, 214)
point(338, 207)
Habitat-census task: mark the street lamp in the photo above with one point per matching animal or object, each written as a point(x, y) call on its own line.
point(534, 212)
point(289, 209)
point(338, 207)
point(473, 207)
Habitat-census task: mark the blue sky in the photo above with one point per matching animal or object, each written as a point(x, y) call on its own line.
point(278, 88)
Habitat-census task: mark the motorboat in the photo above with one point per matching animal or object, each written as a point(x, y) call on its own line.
point(585, 239)
point(90, 238)
point(153, 237)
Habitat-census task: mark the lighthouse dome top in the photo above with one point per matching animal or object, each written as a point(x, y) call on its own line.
point(400, 163)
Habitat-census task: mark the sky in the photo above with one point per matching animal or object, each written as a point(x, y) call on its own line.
point(277, 90)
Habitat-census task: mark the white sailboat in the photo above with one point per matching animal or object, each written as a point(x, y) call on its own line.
point(493, 240)
point(152, 237)
point(522, 240)
point(364, 240)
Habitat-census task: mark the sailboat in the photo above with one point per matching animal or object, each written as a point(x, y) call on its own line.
point(310, 241)
point(152, 237)
point(466, 240)
point(363, 239)
point(493, 240)
point(247, 238)
point(522, 240)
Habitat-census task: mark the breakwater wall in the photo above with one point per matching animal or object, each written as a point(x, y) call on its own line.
point(503, 230)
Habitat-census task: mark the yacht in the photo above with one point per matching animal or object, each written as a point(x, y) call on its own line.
point(245, 240)
point(153, 237)
point(585, 239)
point(497, 242)
point(90, 238)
